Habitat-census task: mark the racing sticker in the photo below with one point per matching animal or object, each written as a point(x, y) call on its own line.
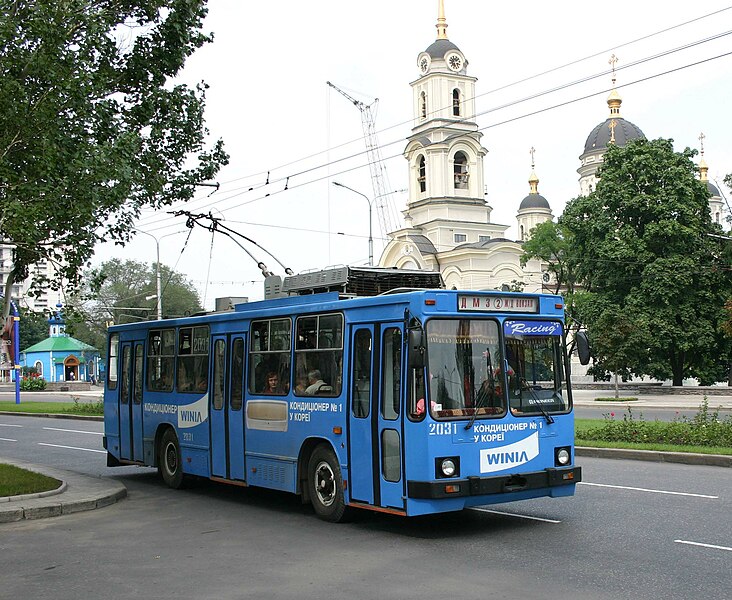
point(512, 455)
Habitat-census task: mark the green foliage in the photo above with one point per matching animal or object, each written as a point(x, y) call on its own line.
point(126, 284)
point(93, 407)
point(33, 327)
point(32, 384)
point(656, 280)
point(552, 244)
point(91, 128)
point(704, 429)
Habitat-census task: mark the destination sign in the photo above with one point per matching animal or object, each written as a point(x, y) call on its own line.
point(514, 304)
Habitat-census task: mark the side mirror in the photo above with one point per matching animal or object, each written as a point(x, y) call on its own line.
point(416, 348)
point(583, 347)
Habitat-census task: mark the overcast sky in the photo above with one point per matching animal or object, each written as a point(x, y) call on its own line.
point(268, 99)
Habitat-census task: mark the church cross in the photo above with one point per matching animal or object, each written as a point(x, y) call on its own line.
point(612, 62)
point(702, 137)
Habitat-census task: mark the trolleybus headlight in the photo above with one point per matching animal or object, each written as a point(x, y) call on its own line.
point(448, 467)
point(562, 456)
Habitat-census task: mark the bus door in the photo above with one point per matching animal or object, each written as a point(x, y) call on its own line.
point(389, 416)
point(226, 400)
point(361, 450)
point(130, 400)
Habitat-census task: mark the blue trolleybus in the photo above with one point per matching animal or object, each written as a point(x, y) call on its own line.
point(411, 402)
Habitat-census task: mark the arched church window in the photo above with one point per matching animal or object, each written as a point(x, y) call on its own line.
point(523, 234)
point(461, 171)
point(423, 105)
point(456, 102)
point(422, 176)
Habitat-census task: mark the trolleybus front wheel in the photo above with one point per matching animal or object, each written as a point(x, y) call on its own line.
point(170, 464)
point(326, 485)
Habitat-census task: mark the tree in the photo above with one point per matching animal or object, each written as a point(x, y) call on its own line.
point(33, 327)
point(644, 250)
point(91, 128)
point(551, 243)
point(125, 295)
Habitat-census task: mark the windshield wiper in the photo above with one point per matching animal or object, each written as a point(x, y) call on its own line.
point(547, 416)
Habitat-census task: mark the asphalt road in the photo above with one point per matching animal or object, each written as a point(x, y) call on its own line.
point(634, 530)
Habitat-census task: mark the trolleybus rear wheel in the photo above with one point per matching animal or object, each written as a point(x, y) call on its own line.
point(326, 485)
point(170, 464)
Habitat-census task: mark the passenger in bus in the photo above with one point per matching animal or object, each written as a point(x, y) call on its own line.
point(273, 387)
point(315, 383)
point(301, 384)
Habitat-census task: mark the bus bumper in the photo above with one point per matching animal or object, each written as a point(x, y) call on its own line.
point(500, 484)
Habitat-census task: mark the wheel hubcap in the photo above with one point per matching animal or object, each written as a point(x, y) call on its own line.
point(171, 458)
point(325, 484)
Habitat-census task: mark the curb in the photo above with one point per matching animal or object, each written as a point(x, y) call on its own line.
point(686, 458)
point(53, 415)
point(77, 493)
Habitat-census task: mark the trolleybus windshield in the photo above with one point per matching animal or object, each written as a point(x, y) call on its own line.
point(465, 361)
point(535, 367)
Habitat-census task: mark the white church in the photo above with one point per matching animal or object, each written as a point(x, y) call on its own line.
point(448, 224)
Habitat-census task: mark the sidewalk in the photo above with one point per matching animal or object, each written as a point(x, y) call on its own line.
point(657, 399)
point(77, 493)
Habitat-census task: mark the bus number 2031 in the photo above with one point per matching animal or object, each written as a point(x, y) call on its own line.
point(443, 428)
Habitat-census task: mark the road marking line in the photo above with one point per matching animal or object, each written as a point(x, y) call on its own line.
point(73, 431)
point(9, 425)
point(508, 514)
point(637, 489)
point(703, 545)
point(71, 447)
point(7, 440)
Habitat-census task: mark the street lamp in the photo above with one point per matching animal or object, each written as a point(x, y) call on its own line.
point(158, 294)
point(371, 239)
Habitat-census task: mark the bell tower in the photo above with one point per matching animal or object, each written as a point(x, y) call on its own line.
point(443, 152)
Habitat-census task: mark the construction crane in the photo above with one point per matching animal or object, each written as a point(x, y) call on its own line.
point(388, 217)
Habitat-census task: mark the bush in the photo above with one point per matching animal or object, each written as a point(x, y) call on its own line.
point(704, 429)
point(93, 407)
point(32, 384)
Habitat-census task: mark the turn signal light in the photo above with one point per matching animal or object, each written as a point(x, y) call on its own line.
point(430, 301)
point(452, 489)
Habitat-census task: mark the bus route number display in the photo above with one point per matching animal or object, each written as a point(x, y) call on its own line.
point(498, 303)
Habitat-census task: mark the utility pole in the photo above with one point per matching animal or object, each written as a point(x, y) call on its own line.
point(158, 289)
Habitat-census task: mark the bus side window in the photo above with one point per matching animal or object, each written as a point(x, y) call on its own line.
point(192, 361)
point(237, 374)
point(319, 355)
point(391, 373)
point(361, 391)
point(269, 356)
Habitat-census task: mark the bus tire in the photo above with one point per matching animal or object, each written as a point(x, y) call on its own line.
point(325, 485)
point(170, 463)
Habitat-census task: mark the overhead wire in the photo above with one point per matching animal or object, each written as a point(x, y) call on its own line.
point(524, 80)
point(481, 113)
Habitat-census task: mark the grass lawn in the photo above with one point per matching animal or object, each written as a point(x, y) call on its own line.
point(71, 408)
point(14, 481)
